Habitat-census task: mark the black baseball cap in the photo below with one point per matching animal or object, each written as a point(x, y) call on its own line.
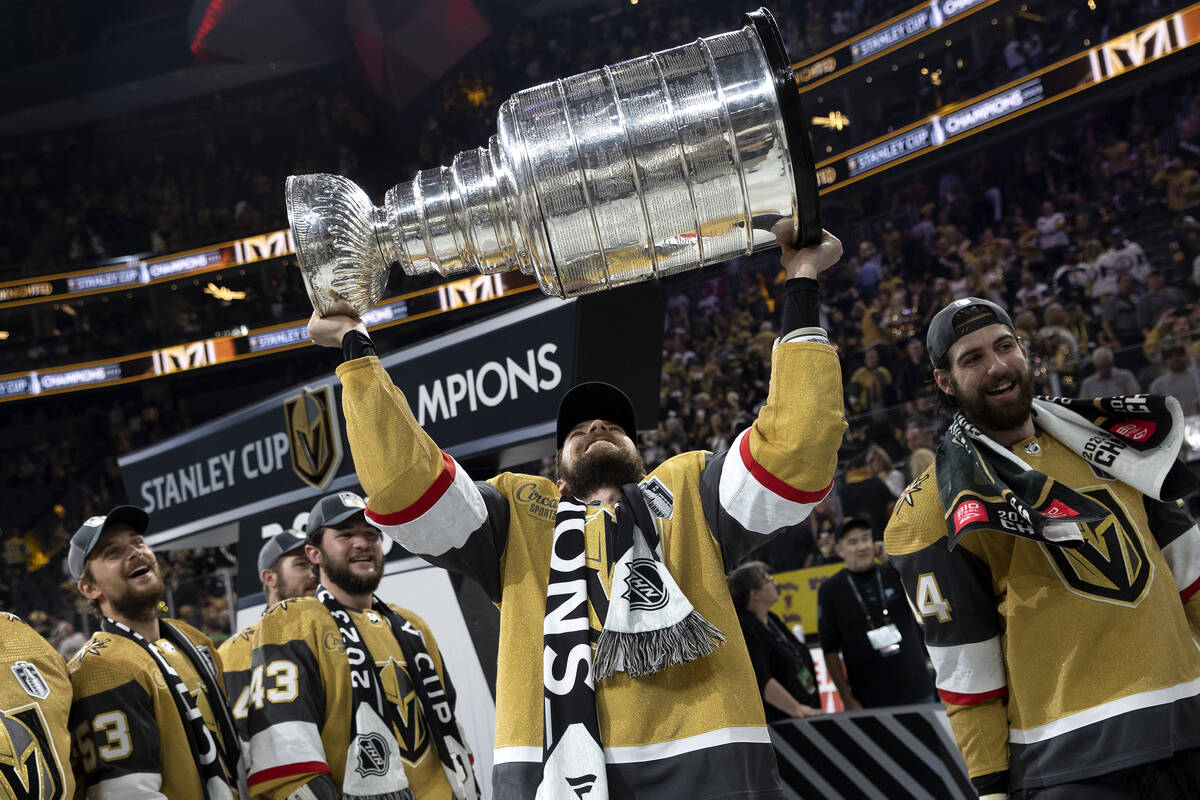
point(957, 320)
point(85, 539)
point(277, 547)
point(332, 510)
point(595, 400)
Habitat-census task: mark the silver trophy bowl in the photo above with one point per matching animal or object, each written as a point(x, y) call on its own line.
point(654, 166)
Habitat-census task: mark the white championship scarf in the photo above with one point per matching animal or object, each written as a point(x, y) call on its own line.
point(650, 626)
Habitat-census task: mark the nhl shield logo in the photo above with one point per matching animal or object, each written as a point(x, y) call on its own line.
point(31, 680)
point(314, 437)
point(644, 587)
point(373, 755)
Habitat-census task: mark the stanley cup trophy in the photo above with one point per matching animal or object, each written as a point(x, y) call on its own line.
point(654, 166)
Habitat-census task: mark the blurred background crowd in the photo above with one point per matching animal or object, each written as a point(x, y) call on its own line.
point(1086, 230)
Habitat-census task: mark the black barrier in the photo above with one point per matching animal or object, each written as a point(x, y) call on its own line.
point(877, 754)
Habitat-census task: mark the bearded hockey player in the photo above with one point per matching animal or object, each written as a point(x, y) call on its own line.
point(349, 698)
point(149, 719)
point(666, 705)
point(35, 697)
point(1056, 575)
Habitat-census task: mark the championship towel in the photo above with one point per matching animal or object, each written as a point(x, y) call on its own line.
point(1135, 439)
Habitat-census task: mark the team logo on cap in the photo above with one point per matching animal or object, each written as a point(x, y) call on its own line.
point(314, 437)
point(93, 522)
point(351, 500)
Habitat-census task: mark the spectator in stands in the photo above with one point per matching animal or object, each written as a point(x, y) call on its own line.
point(1158, 300)
point(786, 673)
point(864, 618)
point(1052, 227)
point(1119, 329)
point(1179, 379)
point(872, 384)
point(1108, 380)
point(880, 465)
point(1033, 294)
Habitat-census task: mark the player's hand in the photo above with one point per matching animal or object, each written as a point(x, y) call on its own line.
point(328, 331)
point(807, 262)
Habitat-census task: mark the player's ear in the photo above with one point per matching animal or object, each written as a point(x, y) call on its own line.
point(314, 554)
point(942, 378)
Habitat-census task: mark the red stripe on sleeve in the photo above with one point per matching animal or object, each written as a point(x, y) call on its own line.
point(774, 484)
point(1187, 593)
point(287, 770)
point(424, 502)
point(969, 699)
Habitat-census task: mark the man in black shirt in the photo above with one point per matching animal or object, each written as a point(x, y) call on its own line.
point(878, 639)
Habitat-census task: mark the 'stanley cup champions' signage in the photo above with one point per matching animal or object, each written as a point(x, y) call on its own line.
point(493, 385)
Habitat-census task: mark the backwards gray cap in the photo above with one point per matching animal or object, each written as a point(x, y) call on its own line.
point(277, 547)
point(332, 510)
point(85, 539)
point(957, 320)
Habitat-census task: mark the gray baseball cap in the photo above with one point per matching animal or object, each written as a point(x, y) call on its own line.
point(279, 546)
point(957, 320)
point(332, 510)
point(85, 539)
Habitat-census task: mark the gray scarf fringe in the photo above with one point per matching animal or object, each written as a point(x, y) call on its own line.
point(651, 651)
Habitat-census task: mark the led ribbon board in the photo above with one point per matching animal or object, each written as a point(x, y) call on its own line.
point(952, 123)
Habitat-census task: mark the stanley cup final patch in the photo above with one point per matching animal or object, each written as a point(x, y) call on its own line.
point(31, 680)
point(659, 499)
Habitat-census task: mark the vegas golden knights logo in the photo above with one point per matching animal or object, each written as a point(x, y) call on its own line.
point(1112, 565)
point(314, 436)
point(29, 768)
point(403, 712)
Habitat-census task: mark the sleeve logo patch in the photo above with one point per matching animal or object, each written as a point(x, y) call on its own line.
point(968, 512)
point(31, 680)
point(659, 498)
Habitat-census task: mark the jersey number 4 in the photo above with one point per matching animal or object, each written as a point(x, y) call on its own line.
point(930, 602)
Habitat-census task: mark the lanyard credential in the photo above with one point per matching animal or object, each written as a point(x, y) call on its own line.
point(861, 602)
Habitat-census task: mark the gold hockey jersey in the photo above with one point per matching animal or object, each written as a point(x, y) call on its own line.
point(300, 700)
point(35, 698)
point(128, 733)
point(1057, 664)
point(696, 730)
point(235, 655)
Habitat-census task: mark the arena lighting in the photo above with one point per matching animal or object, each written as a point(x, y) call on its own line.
point(1058, 81)
point(836, 121)
point(223, 293)
point(213, 14)
point(4, 336)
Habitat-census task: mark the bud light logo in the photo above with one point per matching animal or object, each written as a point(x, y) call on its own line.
point(1059, 510)
point(1134, 430)
point(968, 513)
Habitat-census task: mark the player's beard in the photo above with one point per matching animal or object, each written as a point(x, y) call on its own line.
point(301, 587)
point(139, 602)
point(985, 413)
point(342, 576)
point(605, 468)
